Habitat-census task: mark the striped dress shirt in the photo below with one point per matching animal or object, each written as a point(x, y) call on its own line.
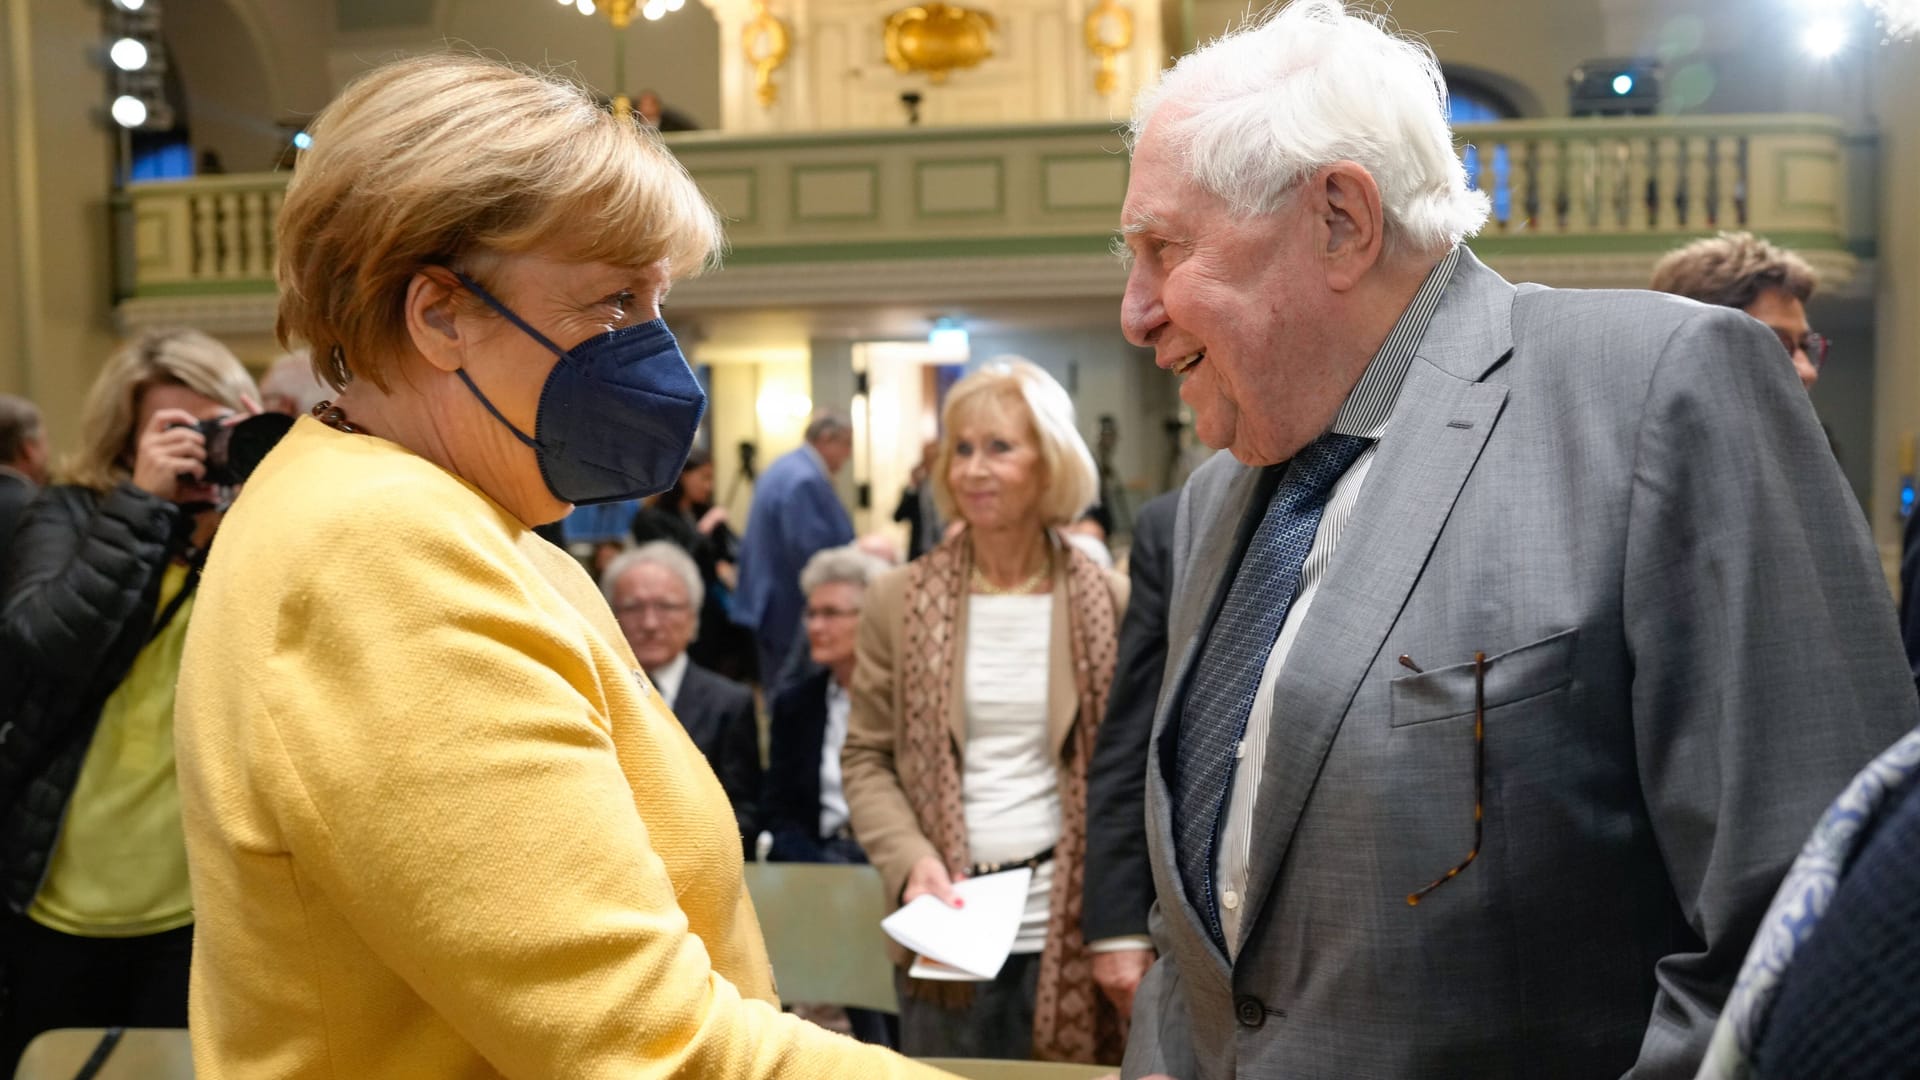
point(1366, 412)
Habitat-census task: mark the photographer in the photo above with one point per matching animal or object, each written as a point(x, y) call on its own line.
point(99, 587)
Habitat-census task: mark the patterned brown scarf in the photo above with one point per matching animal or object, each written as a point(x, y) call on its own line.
point(1072, 1020)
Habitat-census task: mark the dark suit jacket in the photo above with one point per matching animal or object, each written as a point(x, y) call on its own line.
point(1119, 887)
point(790, 807)
point(718, 714)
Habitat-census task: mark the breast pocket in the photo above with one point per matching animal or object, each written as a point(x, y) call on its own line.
point(1513, 676)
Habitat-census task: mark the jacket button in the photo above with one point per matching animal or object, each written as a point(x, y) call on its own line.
point(1248, 1010)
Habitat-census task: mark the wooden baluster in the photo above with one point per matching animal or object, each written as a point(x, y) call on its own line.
point(1562, 196)
point(270, 236)
point(1684, 181)
point(1659, 182)
point(258, 264)
point(1741, 192)
point(1489, 180)
point(1710, 203)
point(1531, 203)
point(229, 234)
point(1626, 183)
point(206, 239)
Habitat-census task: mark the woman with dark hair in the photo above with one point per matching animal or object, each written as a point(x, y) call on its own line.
point(685, 514)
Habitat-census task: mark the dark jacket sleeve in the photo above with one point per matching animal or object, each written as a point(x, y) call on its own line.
point(80, 567)
point(1910, 593)
point(1119, 878)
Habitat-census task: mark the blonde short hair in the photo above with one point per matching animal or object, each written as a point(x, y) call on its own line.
point(439, 159)
point(186, 358)
point(1011, 386)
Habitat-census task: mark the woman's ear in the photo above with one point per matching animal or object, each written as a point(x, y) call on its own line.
point(432, 324)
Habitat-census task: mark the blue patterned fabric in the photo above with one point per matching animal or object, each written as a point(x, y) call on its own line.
point(1228, 675)
point(1798, 907)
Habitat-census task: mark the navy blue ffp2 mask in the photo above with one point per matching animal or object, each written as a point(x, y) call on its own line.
point(617, 416)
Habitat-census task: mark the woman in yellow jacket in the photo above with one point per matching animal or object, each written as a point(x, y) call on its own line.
point(438, 822)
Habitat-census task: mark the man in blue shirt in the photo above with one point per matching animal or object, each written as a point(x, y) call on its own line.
point(795, 514)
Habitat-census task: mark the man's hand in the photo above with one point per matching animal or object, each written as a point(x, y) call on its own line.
point(1118, 975)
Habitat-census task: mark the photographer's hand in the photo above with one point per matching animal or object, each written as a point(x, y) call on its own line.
point(169, 448)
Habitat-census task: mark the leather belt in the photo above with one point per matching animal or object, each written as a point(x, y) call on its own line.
point(1031, 862)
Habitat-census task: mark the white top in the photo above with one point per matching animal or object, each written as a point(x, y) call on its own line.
point(833, 799)
point(1010, 788)
point(668, 677)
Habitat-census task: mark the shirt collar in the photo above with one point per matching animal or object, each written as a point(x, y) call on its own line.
point(1370, 404)
point(668, 678)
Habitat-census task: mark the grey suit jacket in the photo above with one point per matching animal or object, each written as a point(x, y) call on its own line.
point(1625, 501)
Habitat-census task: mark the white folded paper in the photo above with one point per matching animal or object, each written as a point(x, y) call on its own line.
point(965, 943)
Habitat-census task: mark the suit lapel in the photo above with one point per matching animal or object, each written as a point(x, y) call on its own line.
point(1219, 541)
point(1439, 427)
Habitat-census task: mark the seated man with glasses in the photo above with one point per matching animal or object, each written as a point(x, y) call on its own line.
point(656, 592)
point(1740, 270)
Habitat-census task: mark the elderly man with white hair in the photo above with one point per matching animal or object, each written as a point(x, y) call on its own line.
point(656, 591)
point(1519, 636)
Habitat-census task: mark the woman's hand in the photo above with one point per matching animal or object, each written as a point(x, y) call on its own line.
point(929, 876)
point(727, 573)
point(712, 520)
point(170, 447)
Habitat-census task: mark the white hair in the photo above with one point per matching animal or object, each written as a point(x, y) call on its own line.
point(1301, 87)
point(849, 565)
point(666, 555)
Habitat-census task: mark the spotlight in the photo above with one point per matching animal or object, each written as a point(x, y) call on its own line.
point(585, 6)
point(1824, 39)
point(1623, 84)
point(129, 111)
point(675, 5)
point(302, 141)
point(129, 5)
point(128, 54)
point(654, 10)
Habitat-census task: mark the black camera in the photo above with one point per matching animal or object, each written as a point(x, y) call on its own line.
point(234, 450)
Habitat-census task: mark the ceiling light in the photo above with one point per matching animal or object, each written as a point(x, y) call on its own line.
point(129, 5)
point(1824, 39)
point(585, 6)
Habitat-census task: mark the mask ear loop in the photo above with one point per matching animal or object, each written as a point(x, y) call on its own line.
point(474, 287)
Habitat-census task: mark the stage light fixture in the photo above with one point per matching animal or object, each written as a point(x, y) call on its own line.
point(129, 111)
point(128, 54)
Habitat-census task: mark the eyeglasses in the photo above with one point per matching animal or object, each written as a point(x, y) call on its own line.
point(831, 613)
point(1479, 772)
point(1816, 345)
point(660, 608)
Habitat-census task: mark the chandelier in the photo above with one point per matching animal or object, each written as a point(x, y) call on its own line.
point(620, 14)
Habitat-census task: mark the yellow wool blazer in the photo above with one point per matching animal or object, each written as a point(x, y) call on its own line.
point(438, 823)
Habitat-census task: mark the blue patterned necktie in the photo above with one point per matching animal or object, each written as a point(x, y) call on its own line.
point(1220, 696)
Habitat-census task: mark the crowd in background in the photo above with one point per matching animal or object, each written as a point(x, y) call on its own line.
point(796, 631)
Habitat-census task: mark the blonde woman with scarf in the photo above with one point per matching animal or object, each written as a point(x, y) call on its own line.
point(982, 674)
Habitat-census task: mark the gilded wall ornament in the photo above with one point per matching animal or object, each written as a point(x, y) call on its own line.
point(934, 39)
point(1109, 33)
point(766, 40)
